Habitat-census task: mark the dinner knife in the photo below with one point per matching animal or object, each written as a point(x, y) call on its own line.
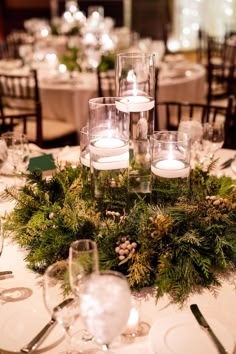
point(204, 324)
point(5, 272)
point(34, 343)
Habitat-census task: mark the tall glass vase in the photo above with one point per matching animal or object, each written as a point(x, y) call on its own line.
point(135, 82)
point(108, 145)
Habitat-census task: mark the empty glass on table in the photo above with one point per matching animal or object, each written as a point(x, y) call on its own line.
point(83, 261)
point(18, 151)
point(212, 140)
point(58, 300)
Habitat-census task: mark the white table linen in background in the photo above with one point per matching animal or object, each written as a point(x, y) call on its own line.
point(221, 305)
point(66, 99)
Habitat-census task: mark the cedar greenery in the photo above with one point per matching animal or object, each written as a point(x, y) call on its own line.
point(179, 249)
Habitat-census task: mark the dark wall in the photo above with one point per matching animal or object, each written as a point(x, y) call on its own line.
point(152, 18)
point(12, 17)
point(112, 8)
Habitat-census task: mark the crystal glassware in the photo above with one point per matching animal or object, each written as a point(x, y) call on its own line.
point(83, 261)
point(105, 304)
point(109, 147)
point(56, 291)
point(3, 154)
point(170, 166)
point(18, 151)
point(212, 140)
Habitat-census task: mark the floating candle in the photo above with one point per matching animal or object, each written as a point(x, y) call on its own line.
point(107, 146)
point(170, 169)
point(135, 104)
point(85, 159)
point(112, 162)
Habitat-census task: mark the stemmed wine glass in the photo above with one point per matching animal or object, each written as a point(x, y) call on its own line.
point(3, 153)
point(4, 272)
point(57, 297)
point(18, 151)
point(105, 304)
point(213, 136)
point(83, 261)
point(212, 140)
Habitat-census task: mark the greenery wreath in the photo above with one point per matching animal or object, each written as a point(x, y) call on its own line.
point(178, 249)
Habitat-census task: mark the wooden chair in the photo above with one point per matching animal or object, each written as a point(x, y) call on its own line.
point(106, 83)
point(8, 51)
point(221, 82)
point(20, 100)
point(175, 112)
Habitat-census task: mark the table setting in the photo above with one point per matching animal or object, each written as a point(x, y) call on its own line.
point(168, 323)
point(117, 245)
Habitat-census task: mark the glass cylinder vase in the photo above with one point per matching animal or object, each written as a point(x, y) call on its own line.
point(170, 166)
point(109, 146)
point(135, 82)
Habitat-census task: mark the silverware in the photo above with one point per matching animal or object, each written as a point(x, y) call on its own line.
point(227, 163)
point(204, 324)
point(5, 272)
point(34, 343)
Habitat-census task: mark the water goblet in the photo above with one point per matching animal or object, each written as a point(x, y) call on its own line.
point(213, 136)
point(105, 303)
point(83, 261)
point(18, 151)
point(56, 290)
point(3, 153)
point(211, 141)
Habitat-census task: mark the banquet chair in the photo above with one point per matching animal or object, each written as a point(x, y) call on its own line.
point(230, 131)
point(20, 99)
point(221, 82)
point(8, 51)
point(175, 112)
point(106, 83)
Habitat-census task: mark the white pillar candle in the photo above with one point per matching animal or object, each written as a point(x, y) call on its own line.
point(112, 162)
point(109, 146)
point(170, 169)
point(135, 104)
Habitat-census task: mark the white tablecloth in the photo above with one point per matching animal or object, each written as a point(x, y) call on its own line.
point(70, 101)
point(67, 99)
point(21, 320)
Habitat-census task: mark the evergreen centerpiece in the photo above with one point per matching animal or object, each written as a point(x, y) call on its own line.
point(179, 249)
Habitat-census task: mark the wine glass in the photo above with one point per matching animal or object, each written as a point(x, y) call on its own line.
point(1, 237)
point(83, 261)
point(57, 297)
point(213, 137)
point(212, 140)
point(18, 151)
point(105, 304)
point(3, 153)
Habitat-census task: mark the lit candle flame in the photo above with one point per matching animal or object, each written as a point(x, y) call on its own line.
point(132, 78)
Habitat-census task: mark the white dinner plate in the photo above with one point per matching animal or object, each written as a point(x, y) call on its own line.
point(19, 323)
point(181, 334)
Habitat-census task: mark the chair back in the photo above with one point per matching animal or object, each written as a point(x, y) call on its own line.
point(106, 83)
point(174, 112)
point(19, 95)
point(8, 51)
point(221, 81)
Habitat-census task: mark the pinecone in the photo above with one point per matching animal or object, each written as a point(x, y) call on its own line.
point(125, 248)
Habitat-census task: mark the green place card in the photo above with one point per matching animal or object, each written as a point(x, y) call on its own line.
point(44, 163)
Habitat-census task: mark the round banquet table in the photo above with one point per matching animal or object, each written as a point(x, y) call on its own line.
point(185, 82)
point(21, 320)
point(66, 98)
